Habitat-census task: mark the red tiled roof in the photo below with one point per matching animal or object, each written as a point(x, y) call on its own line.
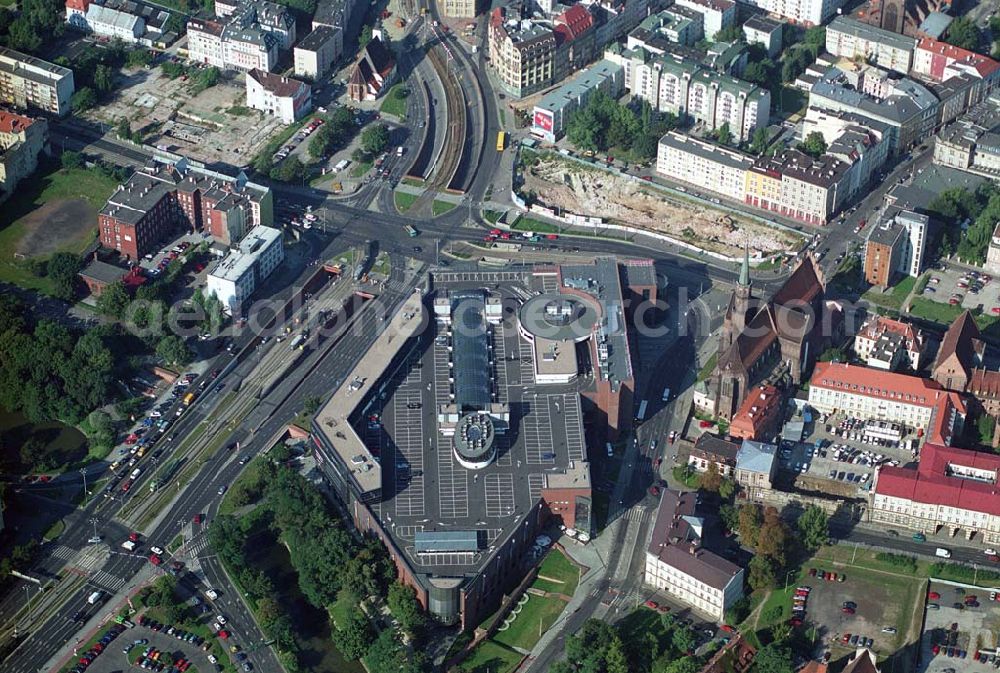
point(982, 64)
point(942, 424)
point(759, 408)
point(984, 383)
point(876, 383)
point(283, 87)
point(931, 482)
point(14, 123)
point(873, 329)
point(802, 285)
point(79, 5)
point(576, 19)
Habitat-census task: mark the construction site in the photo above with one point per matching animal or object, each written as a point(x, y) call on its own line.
point(571, 187)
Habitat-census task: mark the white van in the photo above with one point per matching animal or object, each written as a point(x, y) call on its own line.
point(135, 473)
point(128, 545)
point(94, 597)
point(666, 395)
point(942, 552)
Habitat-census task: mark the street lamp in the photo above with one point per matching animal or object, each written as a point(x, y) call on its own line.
point(83, 473)
point(94, 520)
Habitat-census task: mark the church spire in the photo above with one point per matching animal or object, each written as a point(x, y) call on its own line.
point(745, 268)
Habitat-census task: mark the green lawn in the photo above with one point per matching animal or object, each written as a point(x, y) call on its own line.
point(685, 476)
point(395, 101)
point(360, 168)
point(442, 207)
point(894, 298)
point(557, 574)
point(45, 187)
point(708, 368)
point(492, 216)
point(491, 657)
point(537, 615)
point(531, 224)
point(945, 314)
point(404, 201)
point(55, 530)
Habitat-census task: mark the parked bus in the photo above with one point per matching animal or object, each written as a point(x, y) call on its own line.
point(641, 416)
point(501, 138)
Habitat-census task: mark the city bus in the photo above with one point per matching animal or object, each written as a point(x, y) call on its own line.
point(501, 138)
point(410, 231)
point(641, 415)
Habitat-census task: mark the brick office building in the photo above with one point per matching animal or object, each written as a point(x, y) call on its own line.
point(161, 200)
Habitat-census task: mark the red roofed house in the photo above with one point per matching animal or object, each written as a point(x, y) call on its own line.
point(283, 97)
point(759, 416)
point(932, 59)
point(875, 394)
point(736, 656)
point(22, 139)
point(884, 343)
point(952, 488)
point(76, 13)
point(373, 73)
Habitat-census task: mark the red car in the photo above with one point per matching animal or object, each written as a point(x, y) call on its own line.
point(197, 518)
point(155, 560)
point(933, 595)
point(127, 485)
point(552, 237)
point(132, 439)
point(652, 605)
point(134, 537)
point(846, 637)
point(495, 232)
point(223, 634)
point(654, 491)
point(847, 611)
point(728, 629)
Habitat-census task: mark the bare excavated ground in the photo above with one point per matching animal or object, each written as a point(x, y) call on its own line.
point(624, 200)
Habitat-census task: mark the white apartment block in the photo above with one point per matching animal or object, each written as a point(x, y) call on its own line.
point(806, 13)
point(247, 37)
point(687, 89)
point(316, 53)
point(678, 565)
point(874, 394)
point(718, 14)
point(703, 165)
point(29, 83)
point(114, 23)
point(850, 38)
point(237, 276)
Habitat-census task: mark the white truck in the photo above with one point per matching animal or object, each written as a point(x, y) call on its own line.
point(128, 545)
point(341, 165)
point(942, 552)
point(94, 597)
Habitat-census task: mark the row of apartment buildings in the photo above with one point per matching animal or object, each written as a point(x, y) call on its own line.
point(131, 21)
point(791, 183)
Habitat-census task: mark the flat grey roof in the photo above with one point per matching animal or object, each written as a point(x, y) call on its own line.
point(333, 418)
point(319, 36)
point(865, 31)
point(706, 150)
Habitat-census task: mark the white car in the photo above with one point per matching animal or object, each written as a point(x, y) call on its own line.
point(154, 414)
point(221, 619)
point(990, 552)
point(156, 550)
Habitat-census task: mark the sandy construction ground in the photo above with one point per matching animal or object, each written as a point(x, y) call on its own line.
point(625, 200)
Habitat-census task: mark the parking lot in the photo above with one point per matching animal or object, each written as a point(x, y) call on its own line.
point(847, 450)
point(958, 639)
point(968, 288)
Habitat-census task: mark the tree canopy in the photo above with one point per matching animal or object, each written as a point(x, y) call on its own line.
point(963, 33)
point(603, 124)
point(814, 145)
point(814, 528)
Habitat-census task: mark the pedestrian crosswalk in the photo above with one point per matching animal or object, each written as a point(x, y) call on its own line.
point(197, 545)
point(107, 580)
